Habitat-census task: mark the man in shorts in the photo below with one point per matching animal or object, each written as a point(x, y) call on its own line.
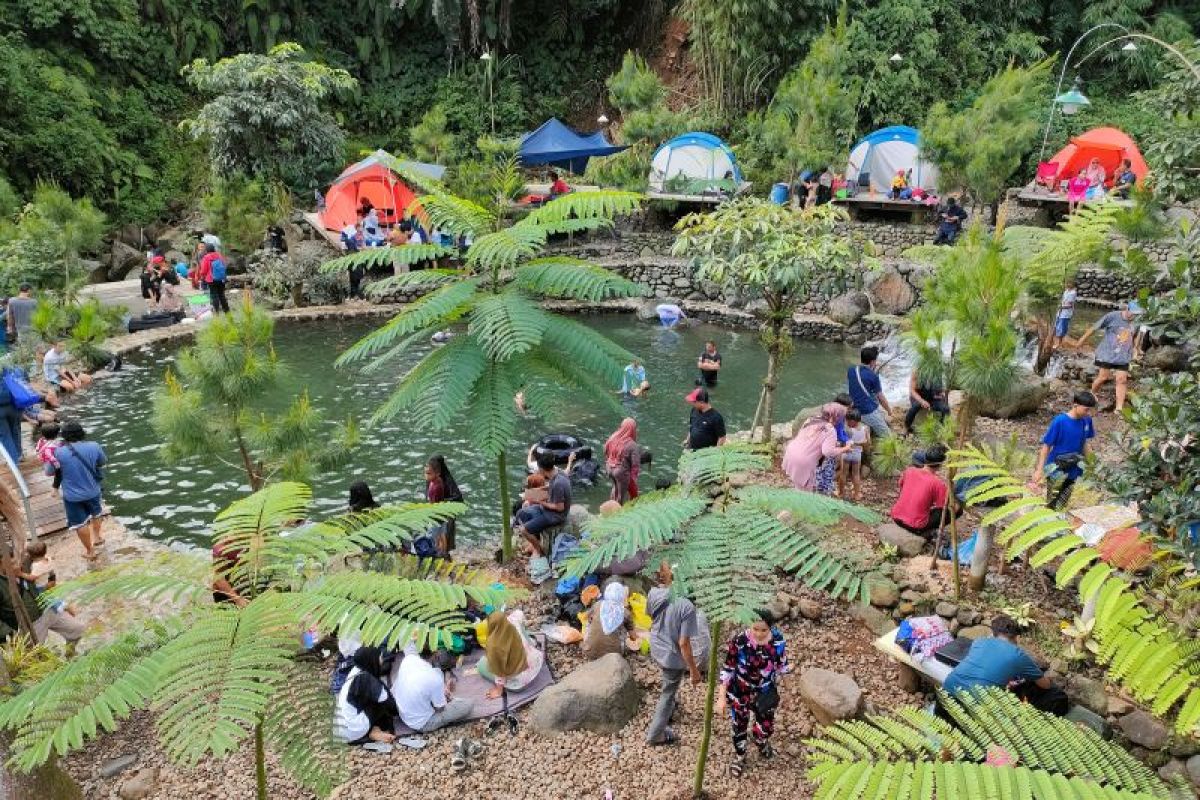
point(1115, 350)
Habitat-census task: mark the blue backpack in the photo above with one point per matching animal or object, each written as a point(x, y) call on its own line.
point(218, 269)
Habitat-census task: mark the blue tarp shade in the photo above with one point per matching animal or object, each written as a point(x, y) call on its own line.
point(556, 144)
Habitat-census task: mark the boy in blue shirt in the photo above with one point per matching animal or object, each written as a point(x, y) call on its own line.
point(866, 390)
point(1063, 449)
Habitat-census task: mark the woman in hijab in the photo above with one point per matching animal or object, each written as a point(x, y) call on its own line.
point(361, 498)
point(440, 486)
point(365, 711)
point(608, 623)
point(754, 661)
point(622, 459)
point(512, 659)
point(811, 458)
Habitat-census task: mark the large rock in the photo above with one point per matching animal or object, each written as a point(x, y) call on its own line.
point(871, 618)
point(578, 519)
point(1088, 693)
point(123, 259)
point(1026, 396)
point(891, 294)
point(810, 609)
point(1143, 729)
point(1193, 769)
point(909, 544)
point(884, 593)
point(849, 308)
point(599, 696)
point(1167, 358)
point(141, 785)
point(830, 696)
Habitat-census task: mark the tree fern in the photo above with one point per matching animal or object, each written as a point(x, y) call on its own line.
point(1144, 650)
point(296, 728)
point(507, 324)
point(572, 279)
point(604, 204)
point(399, 258)
point(456, 215)
point(887, 756)
point(434, 308)
point(712, 465)
point(421, 280)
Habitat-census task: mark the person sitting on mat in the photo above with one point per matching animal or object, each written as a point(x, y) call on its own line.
point(511, 662)
point(923, 495)
point(998, 661)
point(609, 624)
point(365, 711)
point(425, 694)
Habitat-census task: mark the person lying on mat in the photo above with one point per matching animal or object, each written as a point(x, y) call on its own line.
point(998, 661)
point(365, 711)
point(425, 692)
point(512, 659)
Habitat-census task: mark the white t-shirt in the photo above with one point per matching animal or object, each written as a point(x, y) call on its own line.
point(350, 724)
point(1066, 306)
point(415, 238)
point(212, 239)
point(52, 364)
point(419, 690)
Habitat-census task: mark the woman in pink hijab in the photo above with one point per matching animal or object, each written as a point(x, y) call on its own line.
point(810, 459)
point(623, 460)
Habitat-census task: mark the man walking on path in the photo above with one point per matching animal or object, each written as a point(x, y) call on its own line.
point(679, 643)
point(20, 313)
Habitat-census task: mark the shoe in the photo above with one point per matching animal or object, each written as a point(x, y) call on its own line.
point(669, 738)
point(512, 725)
point(766, 751)
point(737, 767)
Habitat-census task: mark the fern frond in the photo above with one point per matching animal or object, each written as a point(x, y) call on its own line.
point(297, 730)
point(422, 280)
point(416, 178)
point(440, 306)
point(218, 677)
point(573, 279)
point(250, 526)
point(492, 411)
point(355, 533)
point(439, 386)
point(579, 345)
point(715, 464)
point(168, 577)
point(392, 610)
point(86, 696)
point(809, 507)
point(604, 204)
point(507, 324)
point(653, 520)
point(506, 248)
point(455, 215)
point(560, 226)
point(394, 256)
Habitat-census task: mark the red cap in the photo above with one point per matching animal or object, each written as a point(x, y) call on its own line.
point(698, 395)
point(157, 260)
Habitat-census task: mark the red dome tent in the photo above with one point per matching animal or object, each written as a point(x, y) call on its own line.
point(373, 180)
point(1110, 145)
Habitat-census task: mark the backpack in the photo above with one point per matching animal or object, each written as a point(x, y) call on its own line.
point(218, 269)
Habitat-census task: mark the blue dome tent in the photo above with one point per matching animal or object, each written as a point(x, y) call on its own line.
point(557, 145)
point(881, 154)
point(695, 156)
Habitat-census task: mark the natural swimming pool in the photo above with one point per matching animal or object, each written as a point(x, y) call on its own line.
point(176, 502)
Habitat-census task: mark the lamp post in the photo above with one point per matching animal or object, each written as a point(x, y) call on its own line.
point(486, 58)
point(1129, 45)
point(1063, 73)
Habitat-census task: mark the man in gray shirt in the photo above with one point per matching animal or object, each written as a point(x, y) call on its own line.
point(1115, 350)
point(679, 643)
point(548, 513)
point(20, 313)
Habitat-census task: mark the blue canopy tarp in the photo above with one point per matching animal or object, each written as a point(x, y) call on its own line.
point(556, 144)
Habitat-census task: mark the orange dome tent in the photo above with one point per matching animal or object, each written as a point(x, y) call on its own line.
point(1110, 145)
point(372, 180)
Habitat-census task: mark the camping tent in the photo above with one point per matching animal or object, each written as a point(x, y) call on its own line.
point(880, 155)
point(695, 156)
point(372, 179)
point(556, 144)
point(1110, 145)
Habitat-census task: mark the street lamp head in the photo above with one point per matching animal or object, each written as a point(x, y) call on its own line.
point(486, 56)
point(1129, 46)
point(602, 119)
point(1073, 100)
point(896, 58)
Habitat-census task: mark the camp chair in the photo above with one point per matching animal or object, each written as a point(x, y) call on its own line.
point(1047, 175)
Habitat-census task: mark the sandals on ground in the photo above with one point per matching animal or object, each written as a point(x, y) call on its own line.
point(766, 751)
point(669, 738)
point(737, 767)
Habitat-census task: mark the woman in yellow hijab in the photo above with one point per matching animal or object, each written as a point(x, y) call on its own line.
point(512, 659)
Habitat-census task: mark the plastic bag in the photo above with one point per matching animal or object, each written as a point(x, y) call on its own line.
point(23, 395)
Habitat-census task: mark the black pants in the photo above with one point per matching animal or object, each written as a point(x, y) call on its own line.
point(935, 519)
point(946, 234)
point(216, 296)
point(356, 276)
point(939, 407)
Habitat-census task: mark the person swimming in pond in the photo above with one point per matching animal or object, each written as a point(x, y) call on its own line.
point(361, 498)
point(633, 379)
point(669, 314)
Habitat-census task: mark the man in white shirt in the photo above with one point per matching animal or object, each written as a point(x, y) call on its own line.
point(422, 696)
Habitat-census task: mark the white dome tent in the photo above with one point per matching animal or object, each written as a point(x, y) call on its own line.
point(693, 158)
point(880, 155)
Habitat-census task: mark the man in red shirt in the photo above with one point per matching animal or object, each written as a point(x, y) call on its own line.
point(923, 495)
point(557, 185)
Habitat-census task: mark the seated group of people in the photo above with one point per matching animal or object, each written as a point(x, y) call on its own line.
point(1091, 183)
point(375, 689)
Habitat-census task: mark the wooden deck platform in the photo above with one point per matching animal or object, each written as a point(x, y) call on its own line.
point(918, 213)
point(49, 518)
point(333, 237)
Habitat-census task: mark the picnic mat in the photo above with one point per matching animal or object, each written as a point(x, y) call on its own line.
point(475, 688)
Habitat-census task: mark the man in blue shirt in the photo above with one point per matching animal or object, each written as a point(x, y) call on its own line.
point(866, 391)
point(78, 477)
point(1063, 449)
point(998, 661)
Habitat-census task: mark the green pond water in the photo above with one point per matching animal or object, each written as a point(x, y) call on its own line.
point(176, 502)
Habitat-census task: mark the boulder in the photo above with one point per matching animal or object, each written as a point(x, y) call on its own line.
point(810, 609)
point(975, 632)
point(830, 696)
point(141, 785)
point(578, 518)
point(599, 696)
point(947, 610)
point(1085, 718)
point(645, 310)
point(849, 308)
point(115, 766)
point(1143, 729)
point(1088, 693)
point(123, 259)
point(1173, 770)
point(884, 593)
point(1119, 706)
point(1167, 358)
point(777, 610)
point(1193, 769)
point(872, 618)
point(1026, 396)
point(909, 544)
point(1184, 746)
point(969, 617)
point(891, 294)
